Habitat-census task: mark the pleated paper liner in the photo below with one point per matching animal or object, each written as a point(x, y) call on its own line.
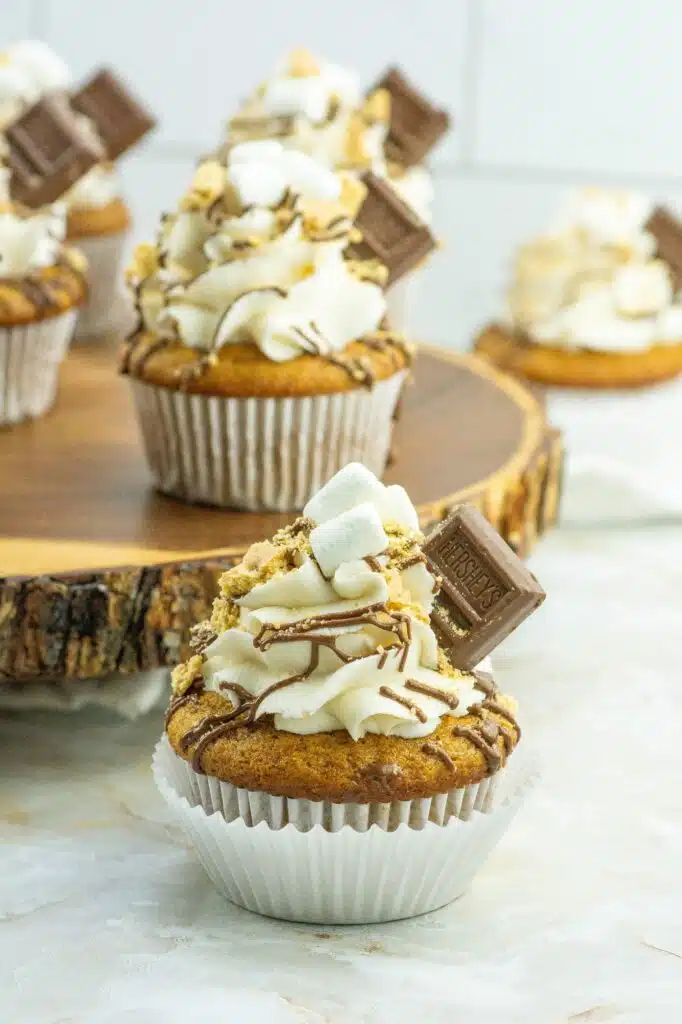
point(261, 453)
point(106, 308)
point(30, 355)
point(339, 863)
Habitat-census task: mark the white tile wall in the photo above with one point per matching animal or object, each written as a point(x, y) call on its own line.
point(545, 94)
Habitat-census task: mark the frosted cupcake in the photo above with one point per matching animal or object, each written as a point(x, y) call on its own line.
point(326, 757)
point(98, 218)
point(597, 301)
point(320, 108)
point(261, 364)
point(42, 286)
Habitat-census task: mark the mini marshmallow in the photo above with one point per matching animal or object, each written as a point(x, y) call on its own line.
point(260, 149)
point(642, 290)
point(351, 486)
point(354, 534)
point(396, 507)
point(309, 177)
point(257, 182)
point(289, 96)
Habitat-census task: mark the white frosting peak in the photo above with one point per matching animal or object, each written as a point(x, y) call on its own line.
point(28, 241)
point(593, 281)
point(262, 272)
point(355, 655)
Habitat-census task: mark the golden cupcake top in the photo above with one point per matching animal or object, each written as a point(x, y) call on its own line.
point(260, 253)
point(596, 280)
point(327, 631)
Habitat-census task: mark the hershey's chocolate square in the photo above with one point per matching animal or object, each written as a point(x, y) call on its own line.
point(667, 231)
point(47, 151)
point(486, 590)
point(415, 125)
point(119, 118)
point(391, 231)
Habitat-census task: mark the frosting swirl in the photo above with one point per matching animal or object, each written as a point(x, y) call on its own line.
point(256, 253)
point(29, 69)
point(593, 281)
point(28, 240)
point(327, 627)
point(320, 108)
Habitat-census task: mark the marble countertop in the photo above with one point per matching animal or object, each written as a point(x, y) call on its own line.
point(107, 918)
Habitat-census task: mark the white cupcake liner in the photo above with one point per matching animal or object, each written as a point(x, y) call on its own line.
point(106, 308)
point(401, 303)
point(30, 355)
point(261, 453)
point(334, 863)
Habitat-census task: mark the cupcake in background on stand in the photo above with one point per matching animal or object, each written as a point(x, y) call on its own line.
point(320, 108)
point(336, 747)
point(263, 363)
point(596, 302)
point(98, 218)
point(42, 287)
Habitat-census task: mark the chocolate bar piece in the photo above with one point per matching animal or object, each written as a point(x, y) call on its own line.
point(47, 151)
point(119, 118)
point(486, 591)
point(667, 231)
point(391, 231)
point(415, 125)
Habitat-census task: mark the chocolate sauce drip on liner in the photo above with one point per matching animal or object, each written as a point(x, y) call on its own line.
point(420, 715)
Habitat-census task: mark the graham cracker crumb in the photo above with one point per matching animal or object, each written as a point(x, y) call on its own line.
point(184, 675)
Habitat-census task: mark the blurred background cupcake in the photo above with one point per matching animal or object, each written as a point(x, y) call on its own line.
point(596, 300)
point(322, 109)
point(262, 364)
point(42, 286)
point(98, 217)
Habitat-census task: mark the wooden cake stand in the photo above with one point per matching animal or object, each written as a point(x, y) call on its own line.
point(101, 575)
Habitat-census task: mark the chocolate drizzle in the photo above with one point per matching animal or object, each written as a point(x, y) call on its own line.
point(432, 691)
point(441, 753)
point(247, 705)
point(373, 562)
point(420, 715)
point(491, 754)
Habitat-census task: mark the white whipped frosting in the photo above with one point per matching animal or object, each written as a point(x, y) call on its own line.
point(287, 293)
point(306, 101)
point(351, 513)
point(318, 106)
point(28, 70)
point(593, 281)
point(28, 241)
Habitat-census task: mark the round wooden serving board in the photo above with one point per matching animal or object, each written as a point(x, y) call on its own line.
point(101, 575)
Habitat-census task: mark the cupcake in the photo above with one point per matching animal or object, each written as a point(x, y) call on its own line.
point(262, 363)
point(42, 286)
point(98, 217)
point(326, 756)
point(597, 301)
point(320, 108)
